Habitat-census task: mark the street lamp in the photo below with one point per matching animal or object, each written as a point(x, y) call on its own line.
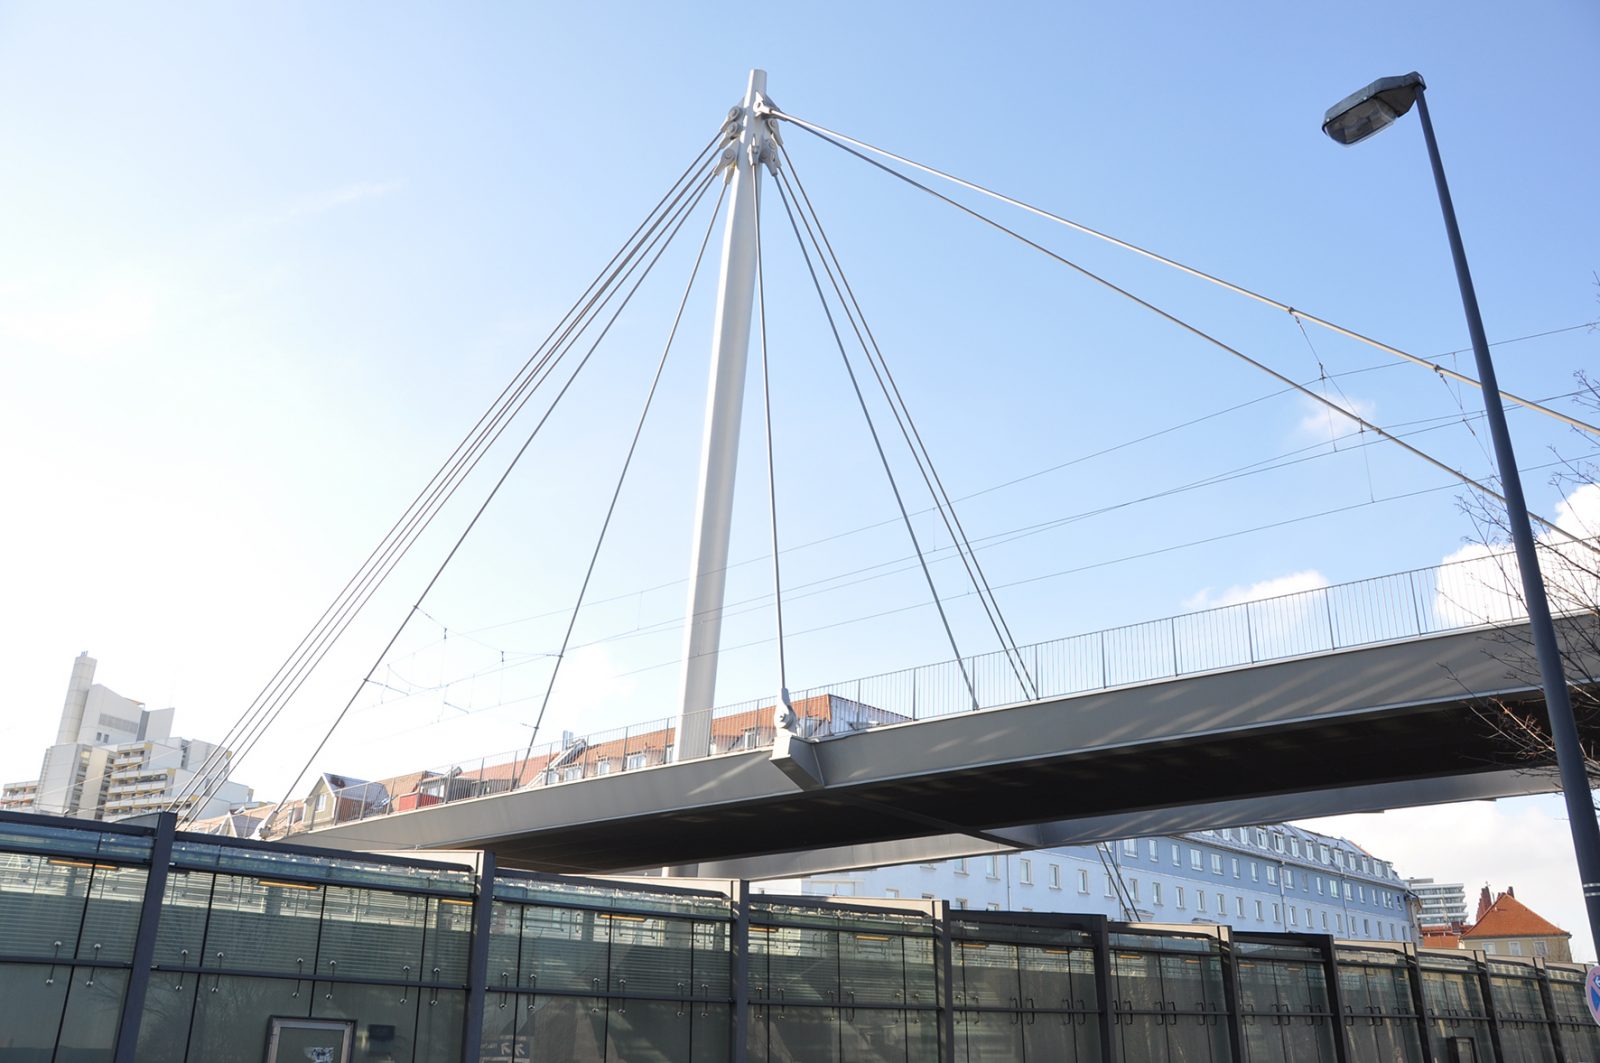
point(1350, 121)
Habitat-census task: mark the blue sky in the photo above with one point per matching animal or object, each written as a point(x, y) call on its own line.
point(260, 268)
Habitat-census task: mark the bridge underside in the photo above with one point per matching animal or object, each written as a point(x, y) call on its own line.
point(1357, 730)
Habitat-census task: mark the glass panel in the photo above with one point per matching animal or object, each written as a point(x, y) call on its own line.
point(263, 925)
point(504, 1039)
point(41, 903)
point(449, 941)
point(505, 941)
point(568, 1029)
point(168, 1006)
point(371, 934)
point(802, 966)
point(232, 1013)
point(31, 1014)
point(646, 1030)
point(650, 955)
point(873, 1036)
point(872, 969)
point(112, 921)
point(1047, 977)
point(94, 1008)
point(1137, 980)
point(921, 971)
point(709, 1029)
point(710, 960)
point(1143, 1039)
point(987, 975)
point(181, 932)
point(564, 949)
point(385, 1017)
point(803, 1035)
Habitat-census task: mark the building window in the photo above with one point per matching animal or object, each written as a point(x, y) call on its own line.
point(1055, 876)
point(961, 865)
point(1194, 859)
point(1308, 919)
point(1318, 879)
point(994, 906)
point(1151, 849)
point(992, 867)
point(1133, 889)
point(1216, 863)
point(1288, 878)
point(1261, 838)
point(1259, 916)
point(890, 891)
point(1366, 927)
point(1277, 914)
point(1177, 861)
point(1294, 916)
point(1222, 906)
point(961, 902)
point(1277, 843)
point(322, 802)
point(1322, 850)
point(1488, 948)
point(1272, 874)
point(1255, 871)
point(1026, 868)
point(1239, 905)
point(1155, 893)
point(1177, 896)
point(633, 761)
point(1111, 889)
point(1234, 861)
point(1541, 948)
point(1083, 880)
point(1361, 894)
point(1130, 846)
point(1347, 891)
point(1199, 900)
point(1294, 847)
point(1324, 920)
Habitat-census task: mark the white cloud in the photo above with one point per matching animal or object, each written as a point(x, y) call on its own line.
point(1294, 583)
point(1321, 422)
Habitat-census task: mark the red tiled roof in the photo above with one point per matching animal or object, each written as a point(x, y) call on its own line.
point(1508, 917)
point(1440, 938)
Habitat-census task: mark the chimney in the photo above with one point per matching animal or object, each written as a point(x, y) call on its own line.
point(1484, 903)
point(1511, 891)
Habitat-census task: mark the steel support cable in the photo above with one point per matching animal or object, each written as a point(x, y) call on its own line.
point(1199, 333)
point(461, 455)
point(924, 463)
point(622, 476)
point(772, 476)
point(493, 492)
point(909, 431)
point(877, 443)
point(251, 729)
point(825, 134)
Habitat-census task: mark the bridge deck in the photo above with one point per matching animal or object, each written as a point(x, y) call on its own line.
point(1349, 730)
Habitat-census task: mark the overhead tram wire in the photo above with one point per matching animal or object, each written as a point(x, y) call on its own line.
point(1199, 333)
point(879, 570)
point(825, 133)
point(877, 443)
point(495, 490)
point(622, 477)
point(908, 429)
point(441, 485)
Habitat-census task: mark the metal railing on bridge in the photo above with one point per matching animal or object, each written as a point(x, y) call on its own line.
point(1413, 604)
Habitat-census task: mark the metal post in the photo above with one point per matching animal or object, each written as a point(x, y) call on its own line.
point(944, 978)
point(1230, 992)
point(1558, 706)
point(478, 961)
point(1336, 1004)
point(730, 345)
point(739, 974)
point(1490, 1012)
point(144, 942)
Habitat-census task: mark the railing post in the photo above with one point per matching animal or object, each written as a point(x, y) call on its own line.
point(1250, 632)
point(144, 941)
point(1105, 673)
point(478, 961)
point(1172, 627)
point(1416, 607)
point(1327, 601)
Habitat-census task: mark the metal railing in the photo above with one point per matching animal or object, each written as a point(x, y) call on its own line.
point(1405, 605)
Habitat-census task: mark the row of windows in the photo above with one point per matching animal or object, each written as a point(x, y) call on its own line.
point(1273, 841)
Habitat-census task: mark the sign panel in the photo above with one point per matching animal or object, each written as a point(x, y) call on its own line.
point(313, 1040)
point(1591, 991)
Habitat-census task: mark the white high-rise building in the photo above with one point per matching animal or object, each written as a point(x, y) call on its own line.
point(1443, 903)
point(114, 758)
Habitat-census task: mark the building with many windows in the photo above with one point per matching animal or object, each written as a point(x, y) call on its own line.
point(1444, 904)
point(1272, 878)
point(114, 758)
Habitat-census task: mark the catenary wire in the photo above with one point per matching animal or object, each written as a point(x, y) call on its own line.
point(825, 133)
point(1199, 333)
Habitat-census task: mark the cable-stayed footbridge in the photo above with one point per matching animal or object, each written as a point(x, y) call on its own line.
point(1355, 697)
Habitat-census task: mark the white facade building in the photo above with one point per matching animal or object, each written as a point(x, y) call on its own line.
point(114, 758)
point(1443, 903)
point(1267, 878)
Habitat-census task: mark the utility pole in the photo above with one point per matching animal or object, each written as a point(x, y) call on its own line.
point(749, 148)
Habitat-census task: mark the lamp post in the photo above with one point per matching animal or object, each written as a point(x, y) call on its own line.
point(1350, 121)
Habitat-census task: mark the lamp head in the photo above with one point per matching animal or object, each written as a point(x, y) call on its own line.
point(1361, 114)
